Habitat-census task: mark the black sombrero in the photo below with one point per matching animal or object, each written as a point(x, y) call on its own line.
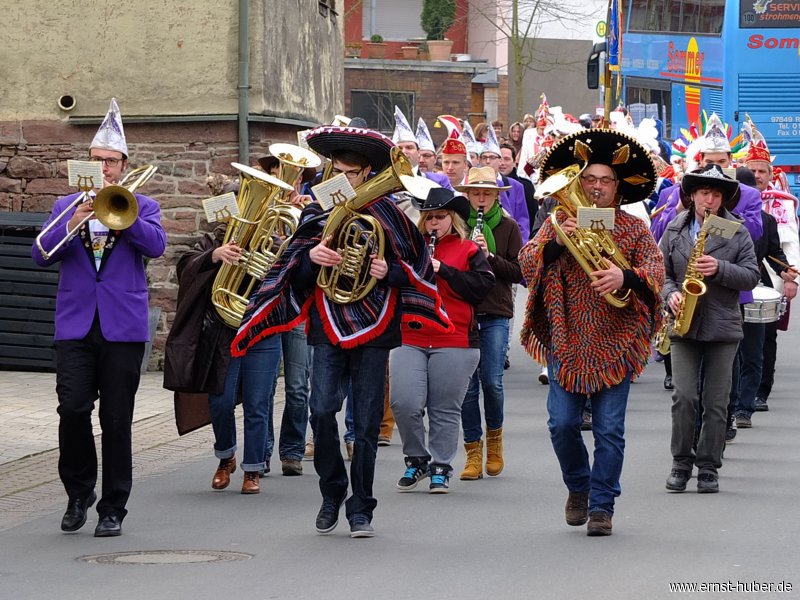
point(373, 145)
point(440, 198)
point(712, 176)
point(625, 155)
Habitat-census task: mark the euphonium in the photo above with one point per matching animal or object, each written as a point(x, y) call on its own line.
point(590, 248)
point(693, 286)
point(231, 289)
point(357, 236)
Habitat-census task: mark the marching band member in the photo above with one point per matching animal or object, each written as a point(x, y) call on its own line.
point(427, 149)
point(727, 267)
point(351, 341)
point(591, 347)
point(499, 239)
point(783, 207)
point(101, 328)
point(431, 370)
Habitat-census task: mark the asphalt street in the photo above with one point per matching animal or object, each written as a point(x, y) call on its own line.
point(502, 537)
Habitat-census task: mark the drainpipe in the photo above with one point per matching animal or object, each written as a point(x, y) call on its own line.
point(244, 82)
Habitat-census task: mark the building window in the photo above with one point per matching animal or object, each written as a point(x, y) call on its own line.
point(376, 107)
point(392, 20)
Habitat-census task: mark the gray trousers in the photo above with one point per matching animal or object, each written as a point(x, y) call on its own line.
point(717, 361)
point(430, 380)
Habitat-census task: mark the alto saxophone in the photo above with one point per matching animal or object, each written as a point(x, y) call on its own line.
point(693, 286)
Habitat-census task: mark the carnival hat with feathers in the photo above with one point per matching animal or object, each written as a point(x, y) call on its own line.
point(684, 145)
point(629, 159)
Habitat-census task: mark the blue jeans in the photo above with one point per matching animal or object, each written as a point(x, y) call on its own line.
point(364, 370)
point(493, 333)
point(296, 369)
point(601, 480)
point(255, 373)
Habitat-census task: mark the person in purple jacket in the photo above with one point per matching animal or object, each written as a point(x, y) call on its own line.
point(101, 327)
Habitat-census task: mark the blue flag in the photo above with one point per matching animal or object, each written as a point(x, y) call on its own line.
point(614, 35)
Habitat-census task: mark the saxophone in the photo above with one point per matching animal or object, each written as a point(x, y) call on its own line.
point(693, 286)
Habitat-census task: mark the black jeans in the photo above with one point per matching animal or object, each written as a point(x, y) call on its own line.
point(85, 370)
point(364, 370)
point(769, 356)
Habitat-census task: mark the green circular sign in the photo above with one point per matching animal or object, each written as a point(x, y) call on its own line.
point(601, 29)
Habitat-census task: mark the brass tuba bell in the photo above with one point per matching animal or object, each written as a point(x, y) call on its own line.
point(357, 236)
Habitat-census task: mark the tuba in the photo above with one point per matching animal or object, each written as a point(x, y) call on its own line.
point(357, 236)
point(589, 247)
point(250, 230)
point(693, 286)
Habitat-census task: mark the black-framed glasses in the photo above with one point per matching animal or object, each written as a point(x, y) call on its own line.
point(591, 179)
point(351, 174)
point(109, 162)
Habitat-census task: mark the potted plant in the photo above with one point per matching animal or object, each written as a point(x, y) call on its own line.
point(375, 47)
point(437, 17)
point(352, 50)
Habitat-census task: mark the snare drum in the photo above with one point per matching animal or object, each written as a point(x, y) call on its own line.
point(767, 306)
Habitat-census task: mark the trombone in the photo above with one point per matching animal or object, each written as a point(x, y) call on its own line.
point(114, 206)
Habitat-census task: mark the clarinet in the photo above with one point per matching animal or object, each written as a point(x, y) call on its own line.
point(432, 243)
point(478, 225)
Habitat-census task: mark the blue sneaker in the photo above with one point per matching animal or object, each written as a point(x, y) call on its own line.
point(440, 479)
point(414, 473)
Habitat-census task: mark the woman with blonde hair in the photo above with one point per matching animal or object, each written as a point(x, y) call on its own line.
point(430, 372)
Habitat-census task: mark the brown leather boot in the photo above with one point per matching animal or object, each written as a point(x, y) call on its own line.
point(251, 485)
point(222, 477)
point(494, 452)
point(473, 469)
point(599, 523)
point(576, 511)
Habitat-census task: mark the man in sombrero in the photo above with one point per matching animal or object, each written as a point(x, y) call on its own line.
point(592, 348)
point(351, 341)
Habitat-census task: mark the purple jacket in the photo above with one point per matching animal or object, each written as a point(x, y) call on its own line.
point(117, 292)
point(441, 179)
point(513, 201)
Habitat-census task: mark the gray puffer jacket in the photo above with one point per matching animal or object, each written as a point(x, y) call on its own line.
point(717, 317)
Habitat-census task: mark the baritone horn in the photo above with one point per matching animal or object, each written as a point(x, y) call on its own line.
point(590, 248)
point(114, 206)
point(356, 236)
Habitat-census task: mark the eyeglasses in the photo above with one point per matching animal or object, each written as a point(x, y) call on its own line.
point(352, 174)
point(591, 179)
point(109, 162)
point(441, 217)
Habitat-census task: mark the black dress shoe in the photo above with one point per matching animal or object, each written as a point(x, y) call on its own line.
point(108, 526)
point(676, 482)
point(75, 516)
point(668, 385)
point(707, 483)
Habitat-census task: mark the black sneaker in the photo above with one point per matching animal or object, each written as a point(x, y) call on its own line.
point(668, 385)
point(360, 526)
point(586, 422)
point(506, 364)
point(440, 480)
point(730, 432)
point(707, 483)
point(328, 515)
point(414, 473)
point(676, 482)
point(761, 405)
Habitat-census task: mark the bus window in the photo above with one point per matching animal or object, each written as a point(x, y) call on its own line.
point(712, 13)
point(691, 11)
point(642, 93)
point(686, 16)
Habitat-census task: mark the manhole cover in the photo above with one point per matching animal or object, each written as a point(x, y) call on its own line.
point(165, 557)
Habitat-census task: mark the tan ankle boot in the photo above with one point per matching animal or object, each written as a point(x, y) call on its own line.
point(473, 469)
point(494, 452)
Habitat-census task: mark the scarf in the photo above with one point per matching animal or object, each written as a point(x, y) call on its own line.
point(590, 344)
point(276, 306)
point(491, 218)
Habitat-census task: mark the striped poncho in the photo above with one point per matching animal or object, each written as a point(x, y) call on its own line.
point(591, 344)
point(277, 306)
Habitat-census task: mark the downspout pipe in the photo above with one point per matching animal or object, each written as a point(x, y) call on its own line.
point(244, 82)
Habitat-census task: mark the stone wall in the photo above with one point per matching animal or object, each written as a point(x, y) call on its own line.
point(33, 173)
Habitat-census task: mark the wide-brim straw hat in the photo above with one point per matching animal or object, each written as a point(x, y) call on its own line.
point(481, 177)
point(628, 158)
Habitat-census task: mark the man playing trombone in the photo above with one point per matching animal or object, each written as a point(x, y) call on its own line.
point(101, 327)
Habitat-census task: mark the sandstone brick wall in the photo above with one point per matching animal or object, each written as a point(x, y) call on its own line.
point(33, 173)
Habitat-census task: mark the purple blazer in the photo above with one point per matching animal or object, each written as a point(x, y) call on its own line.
point(441, 179)
point(513, 201)
point(117, 292)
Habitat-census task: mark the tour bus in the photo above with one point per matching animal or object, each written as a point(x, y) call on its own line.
point(735, 57)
